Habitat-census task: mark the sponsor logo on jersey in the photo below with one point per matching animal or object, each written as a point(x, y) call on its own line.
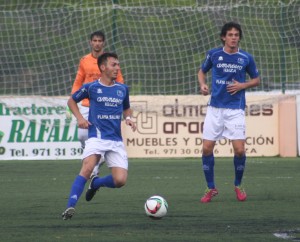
point(110, 101)
point(230, 68)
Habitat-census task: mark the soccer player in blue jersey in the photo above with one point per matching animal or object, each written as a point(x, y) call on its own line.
point(109, 101)
point(88, 71)
point(225, 117)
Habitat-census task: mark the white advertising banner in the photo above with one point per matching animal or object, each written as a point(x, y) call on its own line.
point(167, 126)
point(171, 126)
point(36, 128)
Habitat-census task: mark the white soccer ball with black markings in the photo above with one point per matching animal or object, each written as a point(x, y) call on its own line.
point(156, 207)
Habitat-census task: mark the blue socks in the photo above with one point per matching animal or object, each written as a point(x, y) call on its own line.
point(208, 163)
point(76, 190)
point(239, 167)
point(106, 181)
point(79, 183)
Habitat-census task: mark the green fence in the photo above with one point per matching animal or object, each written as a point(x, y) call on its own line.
point(160, 43)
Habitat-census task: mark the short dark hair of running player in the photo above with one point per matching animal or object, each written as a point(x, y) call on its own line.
point(102, 59)
point(228, 26)
point(99, 34)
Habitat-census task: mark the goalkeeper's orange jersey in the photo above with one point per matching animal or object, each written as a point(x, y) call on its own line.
point(88, 71)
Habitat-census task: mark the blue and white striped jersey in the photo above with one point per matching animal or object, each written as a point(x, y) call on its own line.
point(106, 108)
point(225, 68)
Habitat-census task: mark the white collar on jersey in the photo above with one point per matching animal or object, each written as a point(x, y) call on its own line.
point(231, 53)
point(99, 80)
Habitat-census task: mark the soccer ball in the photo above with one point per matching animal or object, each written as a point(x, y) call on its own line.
point(156, 207)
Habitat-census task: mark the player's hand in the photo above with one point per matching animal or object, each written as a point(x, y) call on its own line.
point(69, 113)
point(83, 123)
point(204, 89)
point(234, 87)
point(130, 123)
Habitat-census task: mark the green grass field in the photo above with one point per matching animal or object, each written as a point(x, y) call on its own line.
point(34, 194)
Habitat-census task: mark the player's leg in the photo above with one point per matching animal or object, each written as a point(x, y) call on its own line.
point(78, 185)
point(96, 169)
point(212, 131)
point(235, 131)
point(239, 162)
point(118, 164)
point(119, 175)
point(83, 136)
point(208, 162)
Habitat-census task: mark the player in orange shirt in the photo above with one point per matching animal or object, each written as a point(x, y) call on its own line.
point(88, 71)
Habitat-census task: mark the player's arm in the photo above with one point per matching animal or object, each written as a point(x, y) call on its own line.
point(79, 80)
point(78, 96)
point(253, 82)
point(82, 122)
point(127, 114)
point(80, 76)
point(237, 86)
point(202, 83)
point(127, 111)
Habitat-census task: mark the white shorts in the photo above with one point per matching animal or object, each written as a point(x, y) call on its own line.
point(224, 123)
point(113, 152)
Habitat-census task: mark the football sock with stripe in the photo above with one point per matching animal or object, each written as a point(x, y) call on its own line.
point(208, 163)
point(239, 167)
point(76, 190)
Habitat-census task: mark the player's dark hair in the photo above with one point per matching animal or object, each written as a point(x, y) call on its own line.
point(228, 26)
point(98, 34)
point(102, 59)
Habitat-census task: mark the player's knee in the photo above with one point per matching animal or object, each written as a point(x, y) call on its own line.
point(207, 151)
point(239, 152)
point(85, 172)
point(119, 182)
point(208, 147)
